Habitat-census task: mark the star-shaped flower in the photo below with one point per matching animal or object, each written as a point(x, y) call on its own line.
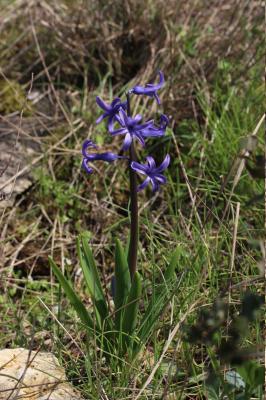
point(110, 111)
point(132, 128)
point(150, 89)
point(153, 173)
point(90, 157)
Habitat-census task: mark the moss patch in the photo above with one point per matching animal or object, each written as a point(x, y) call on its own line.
point(13, 98)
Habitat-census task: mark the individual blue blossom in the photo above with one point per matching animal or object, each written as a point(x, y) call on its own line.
point(154, 131)
point(110, 111)
point(132, 128)
point(150, 89)
point(90, 157)
point(153, 173)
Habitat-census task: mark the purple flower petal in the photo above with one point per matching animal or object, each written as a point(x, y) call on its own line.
point(110, 124)
point(120, 131)
point(115, 102)
point(164, 121)
point(138, 118)
point(140, 138)
point(153, 132)
point(86, 167)
point(121, 117)
point(87, 143)
point(155, 185)
point(157, 98)
point(143, 184)
point(149, 89)
point(164, 165)
point(127, 142)
point(108, 156)
point(161, 178)
point(141, 168)
point(151, 162)
point(104, 106)
point(146, 125)
point(101, 117)
point(160, 84)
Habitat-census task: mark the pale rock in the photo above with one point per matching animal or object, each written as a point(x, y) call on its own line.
point(31, 375)
point(20, 144)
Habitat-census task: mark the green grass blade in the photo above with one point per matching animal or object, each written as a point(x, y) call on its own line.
point(160, 291)
point(170, 270)
point(151, 317)
point(122, 281)
point(72, 297)
point(92, 279)
point(162, 295)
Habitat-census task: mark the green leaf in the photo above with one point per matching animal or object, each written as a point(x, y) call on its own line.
point(91, 263)
point(212, 392)
point(212, 387)
point(131, 309)
point(92, 279)
point(72, 297)
point(122, 282)
point(252, 373)
point(127, 246)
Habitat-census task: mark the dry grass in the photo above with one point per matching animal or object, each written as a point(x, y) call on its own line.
point(84, 41)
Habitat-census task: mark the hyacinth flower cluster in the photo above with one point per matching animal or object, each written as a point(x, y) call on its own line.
point(133, 129)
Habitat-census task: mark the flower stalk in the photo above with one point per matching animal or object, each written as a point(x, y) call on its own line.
point(134, 217)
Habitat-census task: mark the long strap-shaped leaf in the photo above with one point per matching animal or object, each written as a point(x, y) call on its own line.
point(92, 279)
point(122, 282)
point(72, 297)
point(131, 309)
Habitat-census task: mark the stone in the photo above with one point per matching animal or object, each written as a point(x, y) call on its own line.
point(20, 143)
point(31, 375)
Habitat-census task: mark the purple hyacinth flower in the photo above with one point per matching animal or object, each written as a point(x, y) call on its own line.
point(132, 128)
point(154, 131)
point(153, 173)
point(150, 89)
point(110, 111)
point(90, 157)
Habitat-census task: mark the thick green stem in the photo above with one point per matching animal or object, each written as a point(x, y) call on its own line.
point(134, 229)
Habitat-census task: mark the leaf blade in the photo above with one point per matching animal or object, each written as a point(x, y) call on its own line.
point(131, 309)
point(92, 279)
point(71, 295)
point(122, 282)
